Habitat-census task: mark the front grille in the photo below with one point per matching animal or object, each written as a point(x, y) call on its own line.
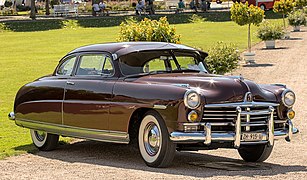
point(225, 118)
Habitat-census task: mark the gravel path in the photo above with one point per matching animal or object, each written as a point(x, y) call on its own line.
point(93, 160)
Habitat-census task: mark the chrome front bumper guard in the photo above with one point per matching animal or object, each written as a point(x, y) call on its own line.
point(207, 136)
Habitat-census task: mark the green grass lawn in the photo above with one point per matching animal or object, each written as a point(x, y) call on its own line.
point(25, 56)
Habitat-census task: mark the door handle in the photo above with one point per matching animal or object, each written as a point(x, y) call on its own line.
point(70, 83)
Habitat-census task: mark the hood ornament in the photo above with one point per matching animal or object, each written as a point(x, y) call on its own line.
point(248, 97)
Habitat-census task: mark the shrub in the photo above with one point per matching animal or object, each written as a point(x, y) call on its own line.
point(300, 3)
point(20, 7)
point(243, 14)
point(297, 18)
point(268, 31)
point(148, 30)
point(222, 58)
point(197, 19)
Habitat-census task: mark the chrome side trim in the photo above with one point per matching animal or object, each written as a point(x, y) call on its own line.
point(84, 133)
point(241, 104)
point(157, 106)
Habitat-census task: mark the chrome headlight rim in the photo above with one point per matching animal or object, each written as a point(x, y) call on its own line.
point(187, 93)
point(283, 97)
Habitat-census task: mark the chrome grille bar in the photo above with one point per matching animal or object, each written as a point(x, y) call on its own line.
point(241, 104)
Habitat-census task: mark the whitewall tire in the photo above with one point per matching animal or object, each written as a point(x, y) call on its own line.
point(156, 149)
point(44, 141)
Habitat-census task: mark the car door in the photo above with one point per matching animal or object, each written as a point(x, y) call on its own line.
point(52, 90)
point(88, 93)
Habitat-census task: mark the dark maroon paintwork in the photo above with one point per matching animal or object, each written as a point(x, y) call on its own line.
point(110, 103)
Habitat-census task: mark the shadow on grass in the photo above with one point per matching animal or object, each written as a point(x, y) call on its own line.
point(28, 26)
point(29, 148)
point(191, 164)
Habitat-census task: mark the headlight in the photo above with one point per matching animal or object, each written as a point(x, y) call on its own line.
point(288, 98)
point(191, 99)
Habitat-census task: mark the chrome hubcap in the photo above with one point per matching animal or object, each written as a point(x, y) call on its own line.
point(151, 139)
point(40, 135)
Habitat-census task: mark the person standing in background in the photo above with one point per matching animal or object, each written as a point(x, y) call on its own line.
point(150, 6)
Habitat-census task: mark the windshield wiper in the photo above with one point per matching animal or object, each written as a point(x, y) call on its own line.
point(145, 74)
point(188, 70)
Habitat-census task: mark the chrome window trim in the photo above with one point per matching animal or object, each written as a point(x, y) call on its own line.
point(89, 54)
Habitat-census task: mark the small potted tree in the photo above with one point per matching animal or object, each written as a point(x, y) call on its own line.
point(297, 19)
point(242, 14)
point(284, 7)
point(268, 33)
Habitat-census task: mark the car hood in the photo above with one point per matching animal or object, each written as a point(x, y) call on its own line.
point(215, 88)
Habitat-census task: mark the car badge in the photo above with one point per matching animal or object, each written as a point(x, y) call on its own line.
point(248, 97)
point(182, 85)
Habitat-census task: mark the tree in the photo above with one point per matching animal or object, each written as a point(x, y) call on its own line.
point(33, 10)
point(242, 14)
point(47, 7)
point(284, 7)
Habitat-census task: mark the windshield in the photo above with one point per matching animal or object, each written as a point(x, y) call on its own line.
point(151, 62)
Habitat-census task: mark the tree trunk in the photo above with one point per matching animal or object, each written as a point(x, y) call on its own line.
point(14, 6)
point(283, 18)
point(47, 7)
point(249, 38)
point(33, 13)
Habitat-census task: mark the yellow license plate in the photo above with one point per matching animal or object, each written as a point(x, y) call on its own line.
point(251, 136)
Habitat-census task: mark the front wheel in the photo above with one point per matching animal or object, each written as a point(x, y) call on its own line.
point(155, 146)
point(44, 141)
point(255, 153)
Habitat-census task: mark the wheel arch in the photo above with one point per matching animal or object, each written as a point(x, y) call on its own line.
point(135, 121)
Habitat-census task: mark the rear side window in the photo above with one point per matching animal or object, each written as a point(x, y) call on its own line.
point(67, 66)
point(95, 65)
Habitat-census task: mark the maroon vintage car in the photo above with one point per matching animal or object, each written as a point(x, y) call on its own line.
point(159, 95)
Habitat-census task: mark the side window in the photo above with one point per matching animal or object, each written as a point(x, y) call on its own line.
point(67, 67)
point(186, 62)
point(154, 65)
point(95, 65)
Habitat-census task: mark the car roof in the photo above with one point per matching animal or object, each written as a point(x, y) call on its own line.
point(123, 48)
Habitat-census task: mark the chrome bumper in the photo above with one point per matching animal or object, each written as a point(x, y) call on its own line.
point(207, 136)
